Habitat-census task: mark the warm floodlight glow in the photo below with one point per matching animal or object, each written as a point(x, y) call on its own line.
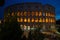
point(36, 20)
point(51, 20)
point(21, 19)
point(28, 13)
point(18, 20)
point(25, 20)
point(32, 13)
point(46, 20)
point(21, 13)
point(36, 13)
point(18, 14)
point(12, 14)
point(40, 20)
point(43, 19)
point(32, 20)
point(40, 13)
point(28, 19)
point(46, 14)
point(25, 13)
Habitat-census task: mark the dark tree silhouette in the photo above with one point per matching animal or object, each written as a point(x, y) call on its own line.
point(2, 2)
point(58, 23)
point(11, 31)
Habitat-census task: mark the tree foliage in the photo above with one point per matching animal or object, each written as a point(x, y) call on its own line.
point(11, 31)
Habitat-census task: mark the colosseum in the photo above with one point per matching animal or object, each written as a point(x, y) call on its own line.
point(31, 16)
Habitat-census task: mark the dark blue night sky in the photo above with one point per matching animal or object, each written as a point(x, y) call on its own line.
point(55, 3)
